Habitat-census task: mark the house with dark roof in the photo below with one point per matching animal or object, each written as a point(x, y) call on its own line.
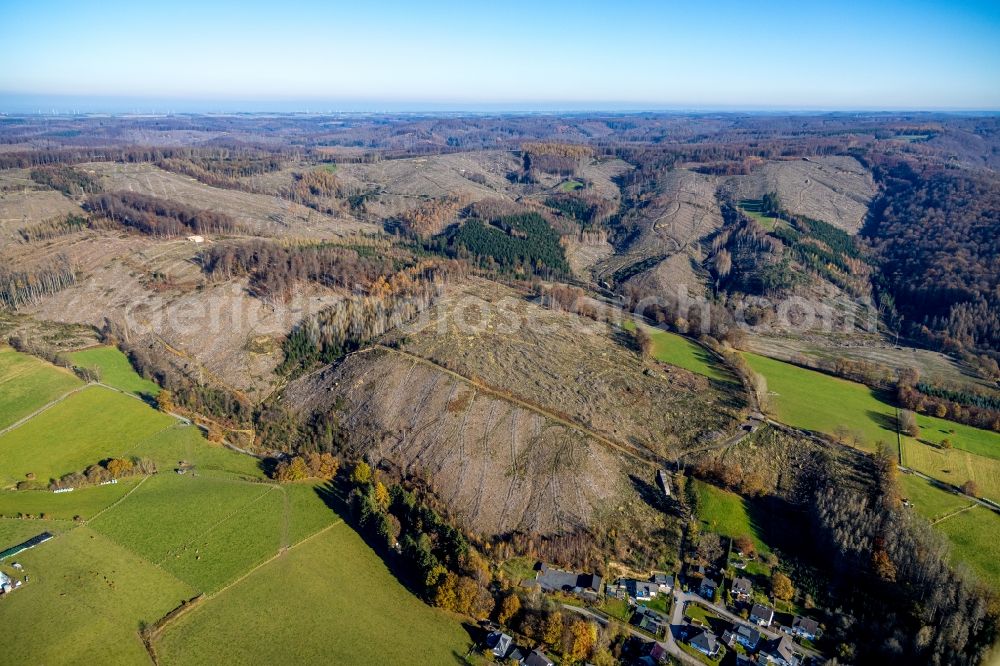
point(641, 590)
point(742, 588)
point(704, 641)
point(556, 580)
point(708, 588)
point(537, 658)
point(762, 615)
point(748, 637)
point(780, 652)
point(663, 581)
point(805, 627)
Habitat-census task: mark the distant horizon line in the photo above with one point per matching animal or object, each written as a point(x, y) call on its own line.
point(27, 104)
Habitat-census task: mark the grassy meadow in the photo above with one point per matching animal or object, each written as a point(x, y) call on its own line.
point(89, 426)
point(28, 383)
point(725, 513)
point(126, 554)
point(972, 535)
point(84, 603)
point(814, 401)
point(677, 350)
point(329, 600)
point(115, 370)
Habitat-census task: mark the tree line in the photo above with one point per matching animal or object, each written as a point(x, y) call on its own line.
point(27, 286)
point(273, 268)
point(159, 217)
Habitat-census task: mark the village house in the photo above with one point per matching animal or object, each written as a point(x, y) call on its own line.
point(537, 658)
point(805, 627)
point(742, 589)
point(748, 637)
point(704, 641)
point(762, 615)
point(779, 652)
point(499, 644)
point(588, 586)
point(708, 588)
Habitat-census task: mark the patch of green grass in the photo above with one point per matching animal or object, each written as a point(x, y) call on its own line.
point(700, 613)
point(570, 186)
point(660, 602)
point(14, 531)
point(28, 383)
point(814, 401)
point(618, 608)
point(519, 569)
point(679, 351)
point(87, 427)
point(307, 512)
point(186, 443)
point(330, 600)
point(115, 370)
point(84, 603)
point(85, 502)
point(929, 501)
point(237, 544)
point(725, 513)
point(973, 537)
point(169, 512)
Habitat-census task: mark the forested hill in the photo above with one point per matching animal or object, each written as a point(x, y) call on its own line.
point(937, 235)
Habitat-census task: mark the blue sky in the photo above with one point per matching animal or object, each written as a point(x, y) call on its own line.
point(625, 54)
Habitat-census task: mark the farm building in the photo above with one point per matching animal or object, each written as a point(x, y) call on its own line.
point(5, 583)
point(21, 547)
point(557, 580)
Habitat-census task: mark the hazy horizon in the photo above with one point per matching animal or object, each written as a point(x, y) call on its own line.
point(448, 56)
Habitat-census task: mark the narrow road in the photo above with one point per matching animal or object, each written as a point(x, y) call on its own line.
point(669, 644)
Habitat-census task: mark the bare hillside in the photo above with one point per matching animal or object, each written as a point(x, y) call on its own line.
point(261, 214)
point(834, 189)
point(498, 466)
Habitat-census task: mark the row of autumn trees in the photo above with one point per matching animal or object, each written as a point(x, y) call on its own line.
point(111, 469)
point(273, 269)
point(912, 606)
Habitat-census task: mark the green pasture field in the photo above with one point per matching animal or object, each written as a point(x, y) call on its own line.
point(677, 350)
point(89, 426)
point(973, 537)
point(115, 370)
point(814, 401)
point(84, 602)
point(930, 502)
point(185, 443)
point(725, 513)
point(83, 502)
point(170, 511)
point(14, 531)
point(570, 185)
point(330, 600)
point(237, 544)
point(28, 383)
